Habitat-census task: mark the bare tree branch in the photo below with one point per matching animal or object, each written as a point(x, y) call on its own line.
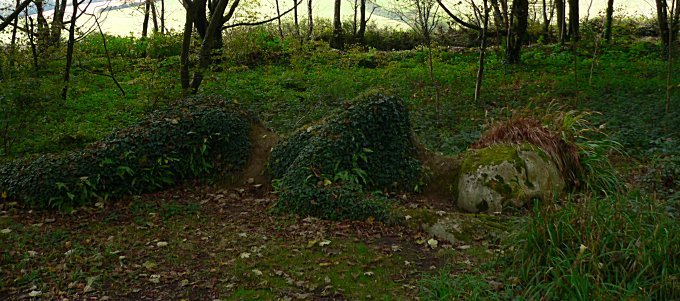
point(263, 21)
point(14, 14)
point(458, 20)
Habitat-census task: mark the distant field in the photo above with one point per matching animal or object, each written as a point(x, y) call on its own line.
point(126, 18)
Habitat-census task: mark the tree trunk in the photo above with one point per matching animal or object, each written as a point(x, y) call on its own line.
point(355, 26)
point(12, 46)
point(186, 47)
point(58, 21)
point(561, 20)
point(278, 13)
point(362, 22)
point(519, 21)
point(31, 41)
point(69, 50)
point(482, 53)
point(145, 23)
point(337, 39)
point(310, 20)
point(204, 56)
point(154, 16)
point(162, 16)
point(297, 22)
point(200, 18)
point(43, 27)
point(573, 20)
point(662, 19)
point(546, 22)
point(608, 21)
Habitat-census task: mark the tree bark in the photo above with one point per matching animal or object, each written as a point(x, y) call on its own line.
point(15, 14)
point(546, 21)
point(310, 20)
point(12, 46)
point(186, 44)
point(204, 57)
point(162, 16)
point(662, 19)
point(519, 21)
point(337, 39)
point(361, 34)
point(69, 50)
point(278, 13)
point(608, 21)
point(482, 53)
point(200, 17)
point(297, 22)
point(58, 21)
point(145, 23)
point(573, 20)
point(154, 16)
point(561, 20)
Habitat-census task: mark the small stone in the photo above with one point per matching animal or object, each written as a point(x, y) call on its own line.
point(495, 285)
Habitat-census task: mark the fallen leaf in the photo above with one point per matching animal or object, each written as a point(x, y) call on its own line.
point(432, 243)
point(324, 243)
point(34, 293)
point(243, 234)
point(408, 217)
point(245, 255)
point(257, 272)
point(369, 274)
point(69, 252)
point(149, 265)
point(161, 244)
point(32, 253)
point(6, 231)
point(463, 247)
point(396, 248)
point(155, 278)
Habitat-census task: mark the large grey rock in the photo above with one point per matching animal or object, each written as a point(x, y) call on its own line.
point(506, 175)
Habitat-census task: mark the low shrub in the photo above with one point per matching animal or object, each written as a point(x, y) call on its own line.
point(324, 169)
point(195, 137)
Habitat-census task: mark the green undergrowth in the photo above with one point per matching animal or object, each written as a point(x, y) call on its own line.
point(196, 137)
point(325, 169)
point(619, 247)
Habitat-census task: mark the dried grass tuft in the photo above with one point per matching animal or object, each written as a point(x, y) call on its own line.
point(520, 129)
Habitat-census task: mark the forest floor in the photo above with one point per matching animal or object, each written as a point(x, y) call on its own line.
point(204, 243)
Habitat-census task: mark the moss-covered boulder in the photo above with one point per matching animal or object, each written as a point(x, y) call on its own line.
point(194, 137)
point(325, 169)
point(506, 175)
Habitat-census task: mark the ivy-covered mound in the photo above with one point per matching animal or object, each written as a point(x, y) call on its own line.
point(196, 136)
point(324, 170)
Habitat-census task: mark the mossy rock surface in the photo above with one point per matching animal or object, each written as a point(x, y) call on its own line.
point(325, 169)
point(454, 227)
point(196, 136)
point(498, 176)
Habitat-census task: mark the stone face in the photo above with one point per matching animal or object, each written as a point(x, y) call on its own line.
point(506, 175)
